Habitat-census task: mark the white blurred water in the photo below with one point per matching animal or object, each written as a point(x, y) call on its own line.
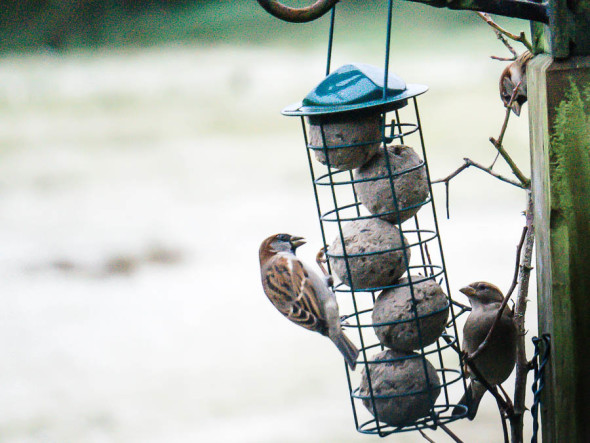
point(135, 188)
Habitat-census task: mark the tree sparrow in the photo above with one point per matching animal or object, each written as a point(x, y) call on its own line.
point(496, 361)
point(512, 75)
point(300, 294)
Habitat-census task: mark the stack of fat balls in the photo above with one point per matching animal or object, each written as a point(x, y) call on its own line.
point(411, 312)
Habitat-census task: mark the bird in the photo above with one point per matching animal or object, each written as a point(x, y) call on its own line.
point(512, 75)
point(496, 361)
point(301, 294)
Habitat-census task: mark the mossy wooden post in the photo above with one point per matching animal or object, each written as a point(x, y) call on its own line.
point(559, 111)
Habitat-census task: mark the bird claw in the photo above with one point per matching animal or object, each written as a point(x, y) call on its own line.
point(321, 256)
point(320, 259)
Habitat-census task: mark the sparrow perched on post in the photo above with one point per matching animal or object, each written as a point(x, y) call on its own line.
point(300, 294)
point(512, 75)
point(496, 361)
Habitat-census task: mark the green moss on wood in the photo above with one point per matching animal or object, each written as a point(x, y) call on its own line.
point(570, 244)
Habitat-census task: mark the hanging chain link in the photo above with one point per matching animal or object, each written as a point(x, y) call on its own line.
point(539, 361)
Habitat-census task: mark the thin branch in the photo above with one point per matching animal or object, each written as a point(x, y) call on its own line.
point(468, 163)
point(450, 433)
point(504, 427)
point(503, 59)
point(426, 437)
point(508, 46)
point(521, 38)
point(522, 364)
point(452, 175)
point(485, 342)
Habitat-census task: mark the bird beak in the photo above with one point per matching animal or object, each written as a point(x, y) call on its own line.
point(468, 291)
point(297, 241)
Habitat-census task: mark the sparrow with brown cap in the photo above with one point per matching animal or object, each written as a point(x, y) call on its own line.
point(497, 359)
point(300, 294)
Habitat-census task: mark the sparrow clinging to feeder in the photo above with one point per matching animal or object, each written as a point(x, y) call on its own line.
point(496, 361)
point(512, 75)
point(300, 294)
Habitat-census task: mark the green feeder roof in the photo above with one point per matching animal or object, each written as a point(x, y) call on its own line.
point(354, 87)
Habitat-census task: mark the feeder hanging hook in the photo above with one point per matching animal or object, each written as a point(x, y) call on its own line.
point(297, 15)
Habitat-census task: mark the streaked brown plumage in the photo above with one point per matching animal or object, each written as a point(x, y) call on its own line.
point(514, 73)
point(496, 361)
point(300, 294)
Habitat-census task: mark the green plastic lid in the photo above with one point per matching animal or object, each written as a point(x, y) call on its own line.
point(354, 87)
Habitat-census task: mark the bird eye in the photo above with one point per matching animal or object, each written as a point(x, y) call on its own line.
point(283, 237)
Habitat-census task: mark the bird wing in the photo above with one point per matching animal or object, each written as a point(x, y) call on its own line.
point(289, 287)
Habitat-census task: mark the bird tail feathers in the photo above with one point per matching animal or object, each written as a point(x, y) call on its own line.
point(471, 400)
point(346, 348)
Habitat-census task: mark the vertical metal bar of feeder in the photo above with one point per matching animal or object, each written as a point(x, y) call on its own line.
point(349, 273)
point(410, 283)
point(399, 127)
point(442, 256)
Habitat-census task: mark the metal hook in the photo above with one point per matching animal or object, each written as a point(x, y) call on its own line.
point(297, 15)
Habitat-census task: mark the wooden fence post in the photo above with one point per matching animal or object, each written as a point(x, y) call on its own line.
point(559, 115)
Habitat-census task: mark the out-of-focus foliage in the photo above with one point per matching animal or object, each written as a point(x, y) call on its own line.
point(65, 24)
point(60, 23)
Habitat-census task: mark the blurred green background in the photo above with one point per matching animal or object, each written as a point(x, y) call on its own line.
point(143, 159)
point(68, 24)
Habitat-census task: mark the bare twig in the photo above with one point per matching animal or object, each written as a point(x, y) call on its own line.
point(522, 366)
point(521, 38)
point(450, 433)
point(503, 59)
point(504, 428)
point(467, 164)
point(508, 46)
point(426, 437)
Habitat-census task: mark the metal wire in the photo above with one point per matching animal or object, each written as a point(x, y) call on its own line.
point(539, 362)
point(330, 40)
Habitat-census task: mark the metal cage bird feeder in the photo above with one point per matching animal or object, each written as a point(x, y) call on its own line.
point(359, 124)
point(343, 118)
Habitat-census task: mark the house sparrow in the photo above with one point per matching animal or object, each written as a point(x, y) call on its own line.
point(496, 361)
point(300, 294)
point(512, 75)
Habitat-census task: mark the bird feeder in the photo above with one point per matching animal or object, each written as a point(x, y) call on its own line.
point(365, 149)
